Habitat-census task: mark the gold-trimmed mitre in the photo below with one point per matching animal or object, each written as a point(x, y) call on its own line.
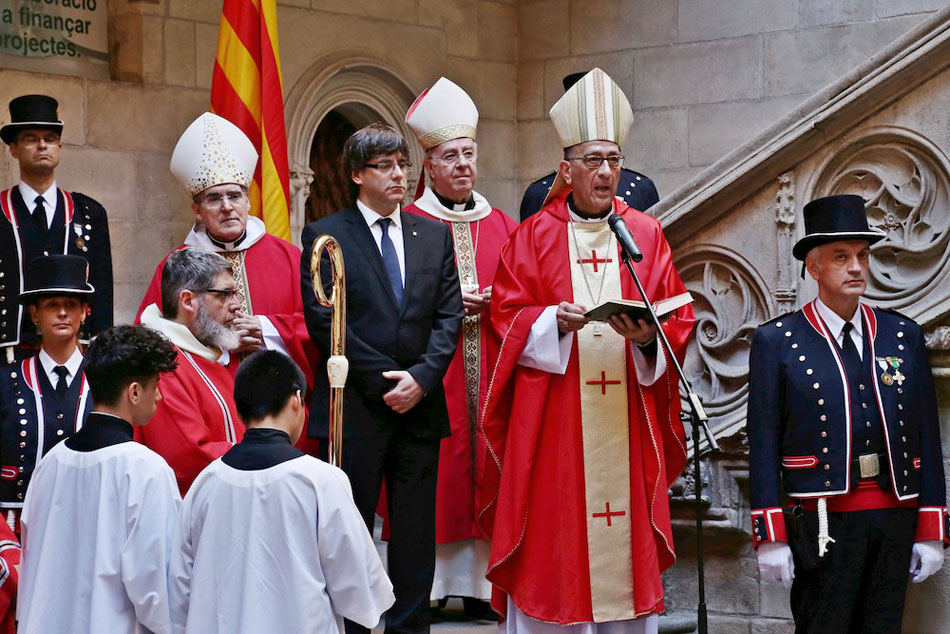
point(213, 151)
point(442, 113)
point(593, 109)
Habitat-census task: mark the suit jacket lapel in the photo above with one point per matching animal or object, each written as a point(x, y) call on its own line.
point(413, 253)
point(367, 244)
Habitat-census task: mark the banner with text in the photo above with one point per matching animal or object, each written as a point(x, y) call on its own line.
point(66, 37)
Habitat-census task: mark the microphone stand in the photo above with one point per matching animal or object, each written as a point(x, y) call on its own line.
point(698, 417)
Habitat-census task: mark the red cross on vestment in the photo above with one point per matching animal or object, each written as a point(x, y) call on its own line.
point(608, 514)
point(603, 382)
point(594, 260)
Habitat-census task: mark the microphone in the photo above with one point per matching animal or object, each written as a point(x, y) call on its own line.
point(624, 237)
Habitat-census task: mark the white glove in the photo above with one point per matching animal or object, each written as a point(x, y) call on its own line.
point(925, 559)
point(776, 564)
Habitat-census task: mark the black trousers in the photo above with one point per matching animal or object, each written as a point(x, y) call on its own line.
point(858, 586)
point(410, 467)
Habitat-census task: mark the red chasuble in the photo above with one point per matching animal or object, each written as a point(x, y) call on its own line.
point(531, 496)
point(196, 421)
point(272, 271)
point(455, 493)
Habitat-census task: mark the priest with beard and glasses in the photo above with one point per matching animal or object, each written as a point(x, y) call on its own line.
point(196, 421)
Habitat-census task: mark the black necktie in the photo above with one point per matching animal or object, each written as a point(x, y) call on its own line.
point(39, 216)
point(849, 353)
point(390, 261)
point(61, 386)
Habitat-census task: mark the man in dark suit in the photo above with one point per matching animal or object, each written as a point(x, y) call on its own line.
point(41, 219)
point(843, 417)
point(403, 314)
point(634, 188)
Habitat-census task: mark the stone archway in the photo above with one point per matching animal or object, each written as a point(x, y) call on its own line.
point(334, 96)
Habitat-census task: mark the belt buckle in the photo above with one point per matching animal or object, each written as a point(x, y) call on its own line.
point(869, 465)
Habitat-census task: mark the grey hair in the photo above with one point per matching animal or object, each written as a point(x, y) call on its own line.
point(376, 139)
point(190, 269)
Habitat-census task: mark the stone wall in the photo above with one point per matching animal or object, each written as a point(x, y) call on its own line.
point(878, 132)
point(119, 134)
point(704, 75)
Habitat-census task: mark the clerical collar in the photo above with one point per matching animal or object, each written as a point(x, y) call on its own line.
point(254, 232)
point(435, 206)
point(100, 430)
point(261, 448)
point(576, 217)
point(227, 246)
point(454, 206)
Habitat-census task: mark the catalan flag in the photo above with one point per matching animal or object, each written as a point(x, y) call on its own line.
point(247, 91)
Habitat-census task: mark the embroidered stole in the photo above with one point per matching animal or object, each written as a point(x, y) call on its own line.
point(471, 332)
point(236, 260)
point(605, 425)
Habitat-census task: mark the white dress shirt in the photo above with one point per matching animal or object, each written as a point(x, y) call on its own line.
point(836, 324)
point(72, 365)
point(394, 233)
point(49, 200)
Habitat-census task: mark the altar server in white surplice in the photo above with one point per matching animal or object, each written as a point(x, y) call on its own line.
point(269, 538)
point(101, 509)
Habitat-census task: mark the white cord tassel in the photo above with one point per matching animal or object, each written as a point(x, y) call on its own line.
point(823, 537)
point(11, 519)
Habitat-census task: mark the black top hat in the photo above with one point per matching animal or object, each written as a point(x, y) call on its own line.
point(31, 111)
point(835, 218)
point(571, 79)
point(56, 275)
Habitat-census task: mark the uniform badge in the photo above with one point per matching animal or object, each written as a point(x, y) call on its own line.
point(892, 370)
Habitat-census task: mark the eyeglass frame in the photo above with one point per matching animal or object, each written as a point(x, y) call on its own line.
point(458, 155)
point(226, 293)
point(233, 197)
point(380, 167)
point(587, 158)
point(28, 140)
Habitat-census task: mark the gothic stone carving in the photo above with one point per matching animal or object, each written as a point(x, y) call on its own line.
point(905, 180)
point(786, 291)
point(730, 300)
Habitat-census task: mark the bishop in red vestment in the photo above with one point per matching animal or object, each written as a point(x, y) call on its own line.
point(581, 429)
point(444, 119)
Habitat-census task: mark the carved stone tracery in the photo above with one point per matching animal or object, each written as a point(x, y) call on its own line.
point(905, 181)
point(730, 301)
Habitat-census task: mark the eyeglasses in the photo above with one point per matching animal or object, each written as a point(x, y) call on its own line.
point(30, 140)
point(453, 157)
point(213, 201)
point(223, 293)
point(594, 161)
point(385, 167)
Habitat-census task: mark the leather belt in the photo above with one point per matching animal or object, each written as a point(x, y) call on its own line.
point(868, 465)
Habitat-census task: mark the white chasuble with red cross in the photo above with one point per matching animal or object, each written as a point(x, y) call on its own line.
point(595, 276)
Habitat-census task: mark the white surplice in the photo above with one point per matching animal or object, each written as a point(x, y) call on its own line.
point(281, 549)
point(97, 528)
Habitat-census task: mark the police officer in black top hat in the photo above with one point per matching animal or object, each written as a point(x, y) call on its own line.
point(44, 398)
point(843, 420)
point(38, 218)
point(637, 190)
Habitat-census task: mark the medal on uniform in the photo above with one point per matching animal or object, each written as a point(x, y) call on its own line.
point(891, 363)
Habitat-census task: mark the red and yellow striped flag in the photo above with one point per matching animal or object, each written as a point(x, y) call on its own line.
point(247, 91)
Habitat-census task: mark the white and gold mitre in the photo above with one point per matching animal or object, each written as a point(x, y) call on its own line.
point(213, 151)
point(442, 113)
point(593, 109)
